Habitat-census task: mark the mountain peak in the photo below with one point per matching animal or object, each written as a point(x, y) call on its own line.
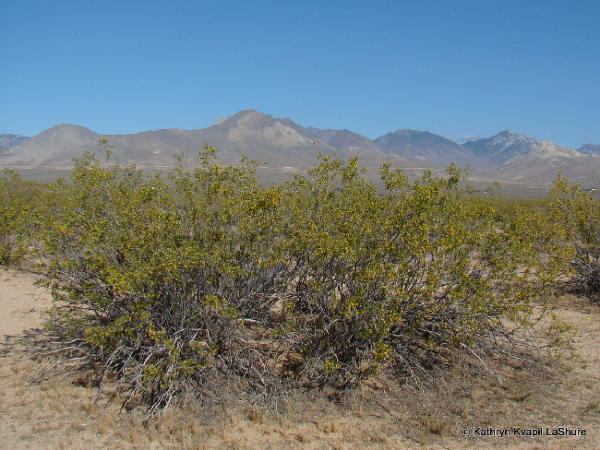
point(424, 146)
point(68, 126)
point(590, 149)
point(507, 133)
point(66, 129)
point(346, 142)
point(251, 113)
point(503, 146)
point(408, 133)
point(247, 117)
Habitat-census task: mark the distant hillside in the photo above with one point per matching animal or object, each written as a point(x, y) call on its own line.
point(11, 140)
point(547, 160)
point(428, 148)
point(528, 160)
point(276, 142)
point(502, 147)
point(51, 147)
point(589, 149)
point(57, 146)
point(285, 146)
point(347, 142)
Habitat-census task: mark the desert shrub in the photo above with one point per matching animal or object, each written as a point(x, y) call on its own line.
point(156, 279)
point(396, 279)
point(190, 283)
point(18, 202)
point(577, 214)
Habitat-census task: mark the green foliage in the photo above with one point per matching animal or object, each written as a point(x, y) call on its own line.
point(181, 284)
point(390, 278)
point(577, 214)
point(18, 199)
point(158, 276)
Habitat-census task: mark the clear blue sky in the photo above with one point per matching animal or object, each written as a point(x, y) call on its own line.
point(452, 67)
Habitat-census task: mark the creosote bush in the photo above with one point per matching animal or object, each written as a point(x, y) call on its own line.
point(389, 279)
point(189, 283)
point(156, 280)
point(17, 208)
point(577, 214)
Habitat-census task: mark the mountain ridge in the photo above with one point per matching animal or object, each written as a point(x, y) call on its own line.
point(8, 140)
point(282, 143)
point(426, 147)
point(589, 149)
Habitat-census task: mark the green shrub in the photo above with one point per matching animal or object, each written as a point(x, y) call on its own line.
point(388, 279)
point(578, 214)
point(17, 207)
point(156, 279)
point(184, 284)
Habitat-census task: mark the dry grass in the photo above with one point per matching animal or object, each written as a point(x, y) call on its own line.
point(63, 412)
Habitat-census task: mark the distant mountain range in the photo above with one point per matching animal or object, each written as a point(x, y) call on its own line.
point(284, 145)
point(590, 149)
point(427, 148)
point(11, 140)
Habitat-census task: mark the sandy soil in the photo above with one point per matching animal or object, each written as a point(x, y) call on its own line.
point(58, 413)
point(21, 302)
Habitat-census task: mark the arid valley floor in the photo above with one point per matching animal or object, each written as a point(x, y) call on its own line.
point(61, 413)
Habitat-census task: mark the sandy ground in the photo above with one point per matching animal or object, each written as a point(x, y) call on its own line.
point(21, 302)
point(58, 413)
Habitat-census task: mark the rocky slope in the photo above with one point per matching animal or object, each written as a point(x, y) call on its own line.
point(502, 147)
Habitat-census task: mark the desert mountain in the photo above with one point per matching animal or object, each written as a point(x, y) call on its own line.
point(57, 146)
point(51, 146)
point(284, 145)
point(547, 160)
point(11, 140)
point(589, 149)
point(430, 149)
point(525, 159)
point(277, 142)
point(347, 142)
point(502, 147)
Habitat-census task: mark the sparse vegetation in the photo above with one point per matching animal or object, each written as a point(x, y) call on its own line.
point(190, 283)
point(206, 286)
point(578, 214)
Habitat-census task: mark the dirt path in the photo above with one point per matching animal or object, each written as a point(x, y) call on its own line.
point(58, 414)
